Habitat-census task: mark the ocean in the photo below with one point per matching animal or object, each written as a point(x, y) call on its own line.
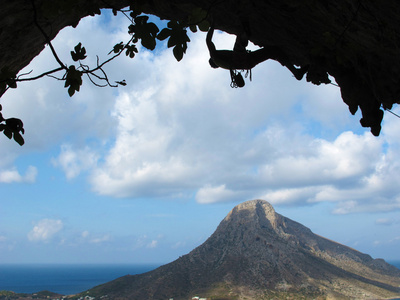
point(68, 279)
point(65, 279)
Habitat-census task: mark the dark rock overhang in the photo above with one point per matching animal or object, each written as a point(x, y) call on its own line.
point(356, 42)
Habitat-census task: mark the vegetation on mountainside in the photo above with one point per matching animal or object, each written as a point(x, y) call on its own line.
point(42, 295)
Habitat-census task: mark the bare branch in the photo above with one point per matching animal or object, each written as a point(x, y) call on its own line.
point(96, 84)
point(41, 75)
point(23, 74)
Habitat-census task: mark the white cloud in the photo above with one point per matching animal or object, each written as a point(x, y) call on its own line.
point(87, 237)
point(73, 162)
point(145, 241)
point(384, 221)
point(45, 229)
point(292, 195)
point(174, 133)
point(176, 138)
point(12, 175)
point(178, 245)
point(209, 194)
point(179, 130)
point(101, 239)
point(347, 158)
point(152, 244)
point(395, 240)
point(386, 243)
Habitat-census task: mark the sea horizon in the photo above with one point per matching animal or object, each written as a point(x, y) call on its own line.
point(64, 278)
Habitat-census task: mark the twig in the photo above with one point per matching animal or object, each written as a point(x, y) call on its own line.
point(41, 75)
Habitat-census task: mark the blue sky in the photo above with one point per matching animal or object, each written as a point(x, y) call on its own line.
point(145, 173)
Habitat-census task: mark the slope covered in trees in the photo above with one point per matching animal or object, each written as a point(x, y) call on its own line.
point(354, 42)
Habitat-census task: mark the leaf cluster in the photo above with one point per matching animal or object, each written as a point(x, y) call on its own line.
point(178, 38)
point(7, 80)
point(144, 31)
point(73, 80)
point(129, 47)
point(12, 128)
point(175, 32)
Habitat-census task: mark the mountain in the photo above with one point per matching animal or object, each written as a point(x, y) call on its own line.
point(256, 253)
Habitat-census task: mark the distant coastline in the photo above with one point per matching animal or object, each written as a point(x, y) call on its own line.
point(395, 263)
point(65, 279)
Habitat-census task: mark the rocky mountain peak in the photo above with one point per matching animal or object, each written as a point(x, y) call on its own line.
point(253, 210)
point(256, 253)
point(257, 217)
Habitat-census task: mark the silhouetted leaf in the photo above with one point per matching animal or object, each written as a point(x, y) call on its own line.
point(172, 41)
point(148, 42)
point(164, 34)
point(117, 48)
point(18, 138)
point(131, 50)
point(178, 52)
point(8, 133)
point(131, 29)
point(73, 80)
point(8, 79)
point(123, 82)
point(79, 53)
point(14, 124)
point(178, 38)
point(193, 28)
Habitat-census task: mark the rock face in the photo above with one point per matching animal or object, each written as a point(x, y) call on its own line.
point(256, 253)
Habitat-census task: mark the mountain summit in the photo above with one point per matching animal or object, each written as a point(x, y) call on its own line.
point(256, 253)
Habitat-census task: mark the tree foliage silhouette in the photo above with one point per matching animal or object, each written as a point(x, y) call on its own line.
point(140, 29)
